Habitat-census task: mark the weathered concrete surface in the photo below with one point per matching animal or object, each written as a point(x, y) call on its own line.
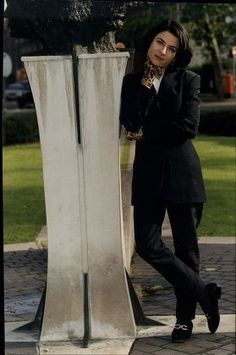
point(52, 87)
point(127, 212)
point(83, 196)
point(100, 78)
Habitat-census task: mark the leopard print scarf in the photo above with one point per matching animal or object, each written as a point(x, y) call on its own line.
point(151, 72)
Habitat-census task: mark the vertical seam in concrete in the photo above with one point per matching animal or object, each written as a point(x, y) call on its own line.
point(76, 92)
point(84, 233)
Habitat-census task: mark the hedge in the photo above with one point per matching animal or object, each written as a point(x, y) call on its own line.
point(220, 120)
point(21, 126)
point(206, 72)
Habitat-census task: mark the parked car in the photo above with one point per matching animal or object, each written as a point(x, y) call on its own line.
point(19, 92)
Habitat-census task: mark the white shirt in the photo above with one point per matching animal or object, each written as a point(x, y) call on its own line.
point(157, 83)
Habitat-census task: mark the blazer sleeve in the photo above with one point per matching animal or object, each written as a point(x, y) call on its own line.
point(181, 125)
point(135, 100)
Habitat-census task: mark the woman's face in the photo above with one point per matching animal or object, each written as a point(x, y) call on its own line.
point(163, 49)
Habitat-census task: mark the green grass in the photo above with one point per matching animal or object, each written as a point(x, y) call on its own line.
point(217, 156)
point(23, 196)
point(125, 154)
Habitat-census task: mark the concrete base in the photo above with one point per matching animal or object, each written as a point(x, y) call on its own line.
point(14, 335)
point(108, 346)
point(111, 346)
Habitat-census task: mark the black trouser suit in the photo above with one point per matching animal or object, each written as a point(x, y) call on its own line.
point(167, 177)
point(184, 218)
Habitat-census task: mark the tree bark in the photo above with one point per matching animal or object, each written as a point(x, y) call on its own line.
point(215, 57)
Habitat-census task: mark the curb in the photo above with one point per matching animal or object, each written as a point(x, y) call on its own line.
point(41, 241)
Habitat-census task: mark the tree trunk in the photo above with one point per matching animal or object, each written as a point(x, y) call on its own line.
point(215, 57)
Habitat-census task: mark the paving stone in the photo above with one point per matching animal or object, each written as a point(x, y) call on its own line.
point(19, 349)
point(186, 347)
point(137, 352)
point(232, 335)
point(168, 352)
point(141, 346)
point(155, 341)
point(220, 351)
point(25, 276)
point(201, 343)
point(229, 347)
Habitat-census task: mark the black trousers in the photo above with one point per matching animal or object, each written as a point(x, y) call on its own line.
point(182, 268)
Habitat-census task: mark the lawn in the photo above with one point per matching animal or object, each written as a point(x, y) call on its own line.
point(217, 156)
point(125, 153)
point(24, 210)
point(23, 196)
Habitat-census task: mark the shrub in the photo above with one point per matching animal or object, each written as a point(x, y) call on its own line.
point(206, 71)
point(20, 127)
point(218, 121)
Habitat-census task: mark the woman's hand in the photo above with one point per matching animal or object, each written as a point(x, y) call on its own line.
point(134, 136)
point(150, 73)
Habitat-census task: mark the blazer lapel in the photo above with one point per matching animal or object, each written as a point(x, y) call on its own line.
point(169, 83)
point(169, 97)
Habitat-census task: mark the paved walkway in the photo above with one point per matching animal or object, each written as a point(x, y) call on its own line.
point(217, 263)
point(25, 276)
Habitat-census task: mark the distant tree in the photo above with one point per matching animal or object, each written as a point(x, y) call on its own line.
point(93, 24)
point(213, 26)
point(58, 25)
point(139, 20)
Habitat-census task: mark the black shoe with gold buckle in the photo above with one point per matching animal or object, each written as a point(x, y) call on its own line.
point(182, 331)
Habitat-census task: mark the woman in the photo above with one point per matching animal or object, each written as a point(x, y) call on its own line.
point(160, 110)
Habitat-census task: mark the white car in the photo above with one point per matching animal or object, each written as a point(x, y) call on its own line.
point(19, 92)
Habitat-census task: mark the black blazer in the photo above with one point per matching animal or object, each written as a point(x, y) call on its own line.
point(166, 163)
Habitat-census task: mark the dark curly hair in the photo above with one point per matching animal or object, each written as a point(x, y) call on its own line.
point(184, 53)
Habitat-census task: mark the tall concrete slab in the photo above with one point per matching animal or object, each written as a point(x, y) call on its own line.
point(100, 79)
point(51, 80)
point(87, 294)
